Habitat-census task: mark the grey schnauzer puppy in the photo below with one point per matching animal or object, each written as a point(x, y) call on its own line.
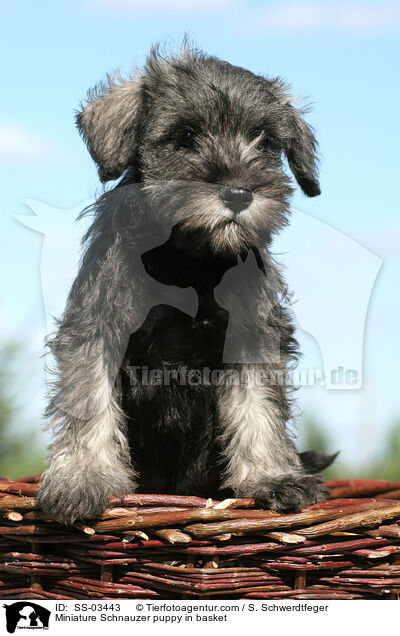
point(173, 351)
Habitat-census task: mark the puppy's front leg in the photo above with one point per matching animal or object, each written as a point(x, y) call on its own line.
point(260, 458)
point(90, 456)
point(89, 459)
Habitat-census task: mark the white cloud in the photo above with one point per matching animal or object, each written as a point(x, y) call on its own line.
point(345, 17)
point(165, 6)
point(20, 144)
point(294, 16)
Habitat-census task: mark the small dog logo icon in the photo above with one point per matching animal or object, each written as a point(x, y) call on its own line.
point(26, 615)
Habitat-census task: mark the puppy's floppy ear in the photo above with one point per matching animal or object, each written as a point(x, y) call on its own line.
point(107, 124)
point(301, 152)
point(299, 143)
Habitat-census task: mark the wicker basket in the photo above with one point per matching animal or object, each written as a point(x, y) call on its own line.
point(174, 547)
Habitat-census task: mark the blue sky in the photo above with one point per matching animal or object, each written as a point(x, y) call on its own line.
point(341, 56)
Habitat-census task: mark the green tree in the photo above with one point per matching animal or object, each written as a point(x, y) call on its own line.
point(386, 466)
point(20, 451)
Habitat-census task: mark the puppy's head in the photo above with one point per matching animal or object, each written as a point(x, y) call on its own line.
point(206, 138)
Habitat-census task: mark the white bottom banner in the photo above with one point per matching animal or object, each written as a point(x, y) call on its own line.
point(175, 617)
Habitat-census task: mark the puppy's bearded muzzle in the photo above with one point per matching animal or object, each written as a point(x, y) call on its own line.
point(211, 217)
point(224, 218)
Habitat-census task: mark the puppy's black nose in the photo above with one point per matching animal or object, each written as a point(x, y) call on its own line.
point(235, 198)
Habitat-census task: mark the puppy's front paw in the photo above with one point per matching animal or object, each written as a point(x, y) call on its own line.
point(289, 493)
point(65, 499)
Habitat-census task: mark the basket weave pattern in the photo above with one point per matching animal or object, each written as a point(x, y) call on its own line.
point(177, 547)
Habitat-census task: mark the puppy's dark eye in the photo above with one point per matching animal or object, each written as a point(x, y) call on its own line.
point(185, 139)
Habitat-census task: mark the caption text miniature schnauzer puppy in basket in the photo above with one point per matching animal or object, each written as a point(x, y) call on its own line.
point(172, 355)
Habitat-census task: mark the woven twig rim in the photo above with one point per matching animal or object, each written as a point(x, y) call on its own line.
point(169, 546)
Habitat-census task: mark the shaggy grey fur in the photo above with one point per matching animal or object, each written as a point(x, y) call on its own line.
point(186, 134)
